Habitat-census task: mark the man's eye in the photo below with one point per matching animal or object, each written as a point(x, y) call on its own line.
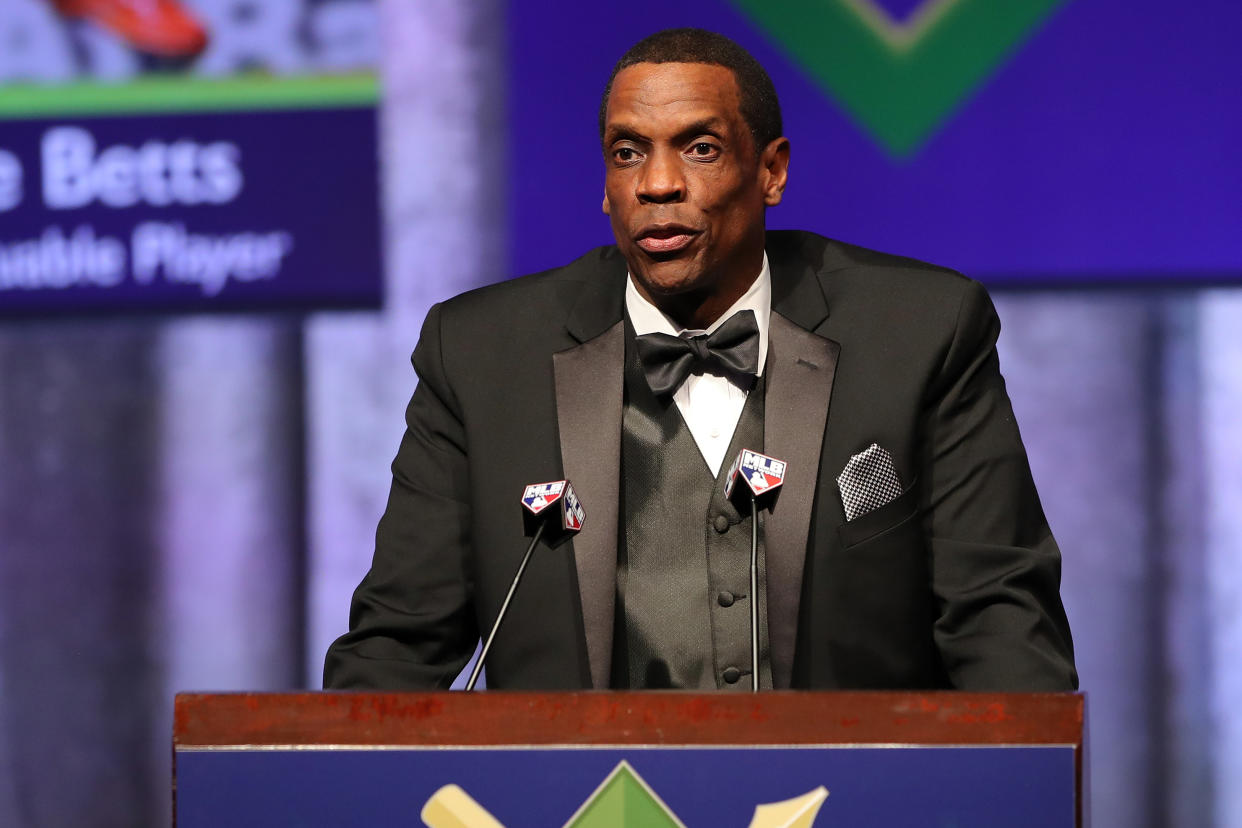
point(703, 149)
point(624, 154)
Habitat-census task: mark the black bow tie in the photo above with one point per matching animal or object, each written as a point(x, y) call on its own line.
point(732, 352)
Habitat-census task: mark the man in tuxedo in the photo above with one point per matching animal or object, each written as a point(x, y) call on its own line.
point(907, 547)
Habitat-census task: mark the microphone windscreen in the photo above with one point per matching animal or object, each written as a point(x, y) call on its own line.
point(556, 506)
point(753, 474)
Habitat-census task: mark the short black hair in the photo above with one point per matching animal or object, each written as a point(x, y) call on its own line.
point(759, 106)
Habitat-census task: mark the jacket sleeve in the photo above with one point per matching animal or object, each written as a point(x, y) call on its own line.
point(411, 623)
point(995, 566)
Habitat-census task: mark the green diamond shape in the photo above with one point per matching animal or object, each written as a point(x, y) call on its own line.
point(624, 800)
point(899, 81)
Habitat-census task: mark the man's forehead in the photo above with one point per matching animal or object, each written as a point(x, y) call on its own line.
point(695, 91)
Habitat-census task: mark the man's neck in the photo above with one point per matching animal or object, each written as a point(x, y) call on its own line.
point(698, 310)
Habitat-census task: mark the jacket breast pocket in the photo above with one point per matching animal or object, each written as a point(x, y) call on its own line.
point(891, 515)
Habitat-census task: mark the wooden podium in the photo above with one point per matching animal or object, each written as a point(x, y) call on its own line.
point(589, 760)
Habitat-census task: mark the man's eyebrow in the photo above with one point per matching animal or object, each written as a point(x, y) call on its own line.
point(707, 126)
point(623, 132)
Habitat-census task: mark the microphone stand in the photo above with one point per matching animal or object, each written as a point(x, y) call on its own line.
point(504, 608)
point(754, 596)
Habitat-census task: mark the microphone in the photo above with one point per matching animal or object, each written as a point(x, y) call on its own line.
point(551, 512)
point(754, 477)
point(562, 522)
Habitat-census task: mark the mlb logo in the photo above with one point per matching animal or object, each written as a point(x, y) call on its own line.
point(574, 513)
point(539, 496)
point(761, 473)
point(760, 482)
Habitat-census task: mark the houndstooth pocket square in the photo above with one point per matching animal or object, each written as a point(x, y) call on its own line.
point(868, 481)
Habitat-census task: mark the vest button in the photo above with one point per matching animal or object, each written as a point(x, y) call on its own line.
point(721, 523)
point(732, 674)
point(726, 599)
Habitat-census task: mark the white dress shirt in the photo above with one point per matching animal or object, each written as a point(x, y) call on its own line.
point(710, 405)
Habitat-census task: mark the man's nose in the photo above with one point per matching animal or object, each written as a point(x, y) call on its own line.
point(661, 181)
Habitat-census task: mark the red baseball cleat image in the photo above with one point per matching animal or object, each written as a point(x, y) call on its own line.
point(162, 28)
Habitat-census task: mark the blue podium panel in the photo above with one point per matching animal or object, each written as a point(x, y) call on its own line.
point(585, 787)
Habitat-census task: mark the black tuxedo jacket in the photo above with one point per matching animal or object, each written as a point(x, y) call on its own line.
point(953, 584)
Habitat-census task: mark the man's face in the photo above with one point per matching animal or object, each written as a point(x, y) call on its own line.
point(684, 188)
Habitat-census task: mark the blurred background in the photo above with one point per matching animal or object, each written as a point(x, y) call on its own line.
point(222, 222)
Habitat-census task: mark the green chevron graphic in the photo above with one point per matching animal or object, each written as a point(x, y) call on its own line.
point(900, 81)
point(624, 799)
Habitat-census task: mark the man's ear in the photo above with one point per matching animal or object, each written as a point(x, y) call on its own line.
point(607, 206)
point(774, 171)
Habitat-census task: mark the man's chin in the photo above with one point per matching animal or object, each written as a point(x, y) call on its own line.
point(665, 295)
point(669, 278)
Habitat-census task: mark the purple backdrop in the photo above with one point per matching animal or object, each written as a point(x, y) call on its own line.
point(1104, 149)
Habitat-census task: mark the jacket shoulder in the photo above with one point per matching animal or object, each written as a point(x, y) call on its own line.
point(858, 280)
point(843, 261)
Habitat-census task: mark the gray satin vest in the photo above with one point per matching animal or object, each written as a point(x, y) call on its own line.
point(683, 555)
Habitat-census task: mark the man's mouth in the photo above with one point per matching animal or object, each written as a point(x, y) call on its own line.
point(666, 239)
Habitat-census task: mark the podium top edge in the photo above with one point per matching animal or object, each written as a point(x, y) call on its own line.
point(323, 720)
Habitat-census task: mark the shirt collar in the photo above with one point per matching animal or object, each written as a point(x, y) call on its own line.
point(647, 318)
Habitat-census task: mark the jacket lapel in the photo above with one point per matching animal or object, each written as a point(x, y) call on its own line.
point(589, 399)
point(800, 369)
